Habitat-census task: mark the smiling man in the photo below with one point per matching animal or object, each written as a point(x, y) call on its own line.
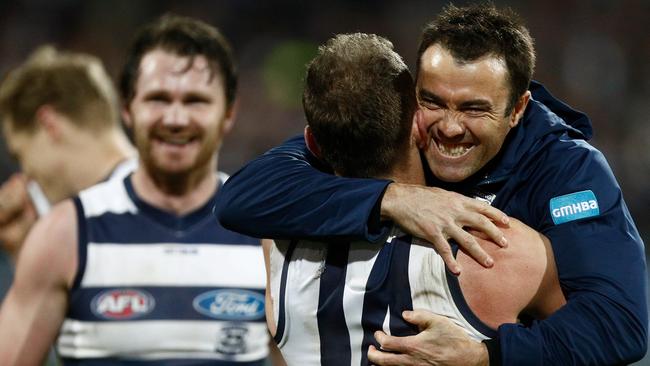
point(137, 272)
point(467, 111)
point(488, 132)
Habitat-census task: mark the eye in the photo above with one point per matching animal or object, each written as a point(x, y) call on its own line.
point(429, 104)
point(156, 98)
point(196, 100)
point(475, 111)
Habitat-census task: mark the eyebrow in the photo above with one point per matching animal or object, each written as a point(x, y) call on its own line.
point(197, 95)
point(473, 103)
point(476, 103)
point(430, 97)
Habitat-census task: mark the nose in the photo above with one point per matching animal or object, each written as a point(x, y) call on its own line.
point(451, 125)
point(176, 115)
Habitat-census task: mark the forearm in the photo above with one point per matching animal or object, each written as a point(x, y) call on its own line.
point(281, 194)
point(25, 339)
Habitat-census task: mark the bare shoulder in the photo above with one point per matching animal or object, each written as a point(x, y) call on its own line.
point(51, 244)
point(499, 294)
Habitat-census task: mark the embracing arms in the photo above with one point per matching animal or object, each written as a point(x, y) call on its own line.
point(282, 195)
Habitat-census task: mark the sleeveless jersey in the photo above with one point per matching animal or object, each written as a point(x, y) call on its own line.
point(155, 288)
point(327, 304)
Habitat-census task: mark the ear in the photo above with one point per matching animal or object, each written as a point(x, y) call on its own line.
point(310, 140)
point(50, 121)
point(520, 108)
point(229, 120)
point(422, 136)
point(126, 116)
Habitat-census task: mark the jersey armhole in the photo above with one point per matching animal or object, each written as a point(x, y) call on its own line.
point(82, 243)
point(461, 303)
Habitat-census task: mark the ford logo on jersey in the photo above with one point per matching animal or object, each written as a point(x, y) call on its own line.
point(230, 304)
point(122, 304)
point(578, 205)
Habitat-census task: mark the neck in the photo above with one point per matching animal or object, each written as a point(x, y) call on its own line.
point(176, 193)
point(408, 169)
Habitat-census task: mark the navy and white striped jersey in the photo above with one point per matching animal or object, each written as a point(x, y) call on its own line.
point(155, 288)
point(328, 303)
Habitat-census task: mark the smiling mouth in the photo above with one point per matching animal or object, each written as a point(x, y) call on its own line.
point(453, 150)
point(176, 140)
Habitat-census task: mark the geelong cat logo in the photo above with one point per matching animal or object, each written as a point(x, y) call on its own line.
point(574, 206)
point(231, 304)
point(122, 304)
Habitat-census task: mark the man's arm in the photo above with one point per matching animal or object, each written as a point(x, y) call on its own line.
point(34, 309)
point(275, 356)
point(282, 195)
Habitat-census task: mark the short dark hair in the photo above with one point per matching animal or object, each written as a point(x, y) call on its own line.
point(481, 29)
point(359, 101)
point(182, 36)
point(75, 84)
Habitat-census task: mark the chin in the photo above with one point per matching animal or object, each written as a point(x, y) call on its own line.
point(451, 176)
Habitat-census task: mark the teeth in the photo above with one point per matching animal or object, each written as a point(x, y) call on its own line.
point(453, 150)
point(176, 140)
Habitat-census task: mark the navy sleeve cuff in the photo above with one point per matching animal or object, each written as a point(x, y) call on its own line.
point(377, 229)
point(494, 351)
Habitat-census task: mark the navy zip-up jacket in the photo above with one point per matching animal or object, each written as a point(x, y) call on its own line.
point(546, 175)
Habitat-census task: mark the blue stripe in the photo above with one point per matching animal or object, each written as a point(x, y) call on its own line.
point(168, 219)
point(153, 225)
point(141, 228)
point(461, 303)
point(165, 303)
point(400, 287)
point(332, 329)
point(82, 242)
point(388, 287)
point(166, 362)
point(279, 333)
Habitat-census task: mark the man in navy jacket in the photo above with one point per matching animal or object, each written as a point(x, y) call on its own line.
point(535, 166)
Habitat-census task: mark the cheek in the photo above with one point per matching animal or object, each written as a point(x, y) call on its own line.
point(492, 140)
point(430, 118)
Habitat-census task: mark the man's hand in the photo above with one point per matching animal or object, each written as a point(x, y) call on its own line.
point(440, 342)
point(436, 215)
point(17, 215)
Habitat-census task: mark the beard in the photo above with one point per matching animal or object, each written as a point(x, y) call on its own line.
point(177, 157)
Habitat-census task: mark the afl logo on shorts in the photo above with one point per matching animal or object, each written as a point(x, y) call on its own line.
point(122, 304)
point(230, 304)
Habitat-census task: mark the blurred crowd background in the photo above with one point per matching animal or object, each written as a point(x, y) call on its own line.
point(593, 54)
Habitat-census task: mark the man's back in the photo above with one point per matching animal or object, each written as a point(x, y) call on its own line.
point(328, 303)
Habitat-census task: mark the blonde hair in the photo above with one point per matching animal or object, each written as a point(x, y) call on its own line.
point(75, 84)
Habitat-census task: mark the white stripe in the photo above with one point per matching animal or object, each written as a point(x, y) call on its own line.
point(213, 265)
point(386, 326)
point(300, 344)
point(150, 340)
point(361, 259)
point(95, 202)
point(430, 290)
point(124, 168)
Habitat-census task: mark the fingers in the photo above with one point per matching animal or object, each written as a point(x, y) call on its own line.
point(13, 197)
point(471, 246)
point(381, 358)
point(391, 343)
point(493, 213)
point(444, 250)
point(491, 231)
point(422, 318)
